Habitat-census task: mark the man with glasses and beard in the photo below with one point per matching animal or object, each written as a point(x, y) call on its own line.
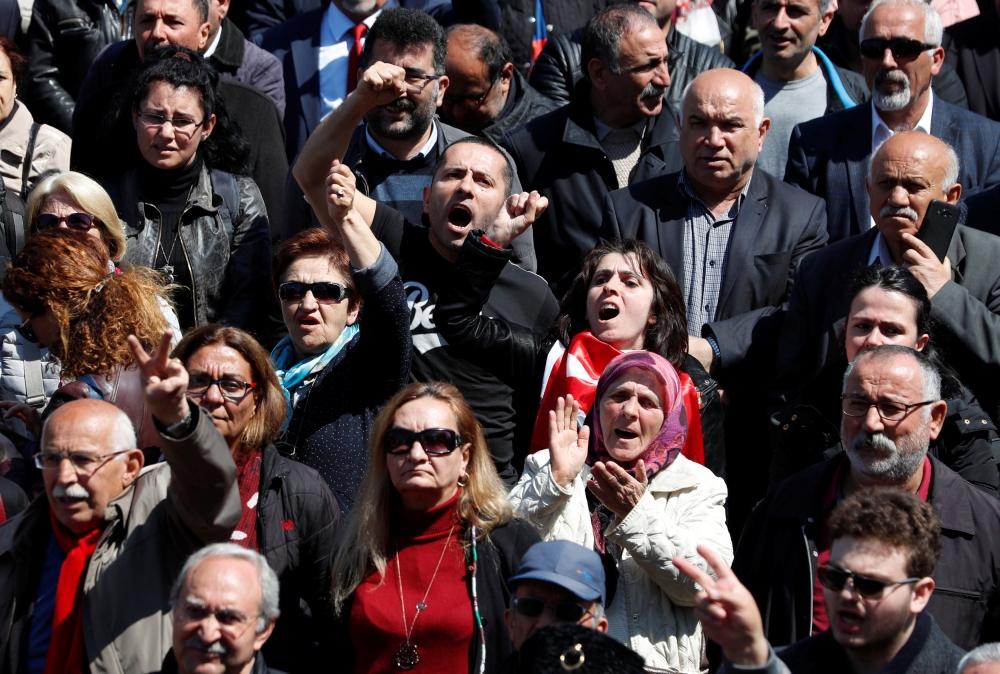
point(892, 408)
point(901, 52)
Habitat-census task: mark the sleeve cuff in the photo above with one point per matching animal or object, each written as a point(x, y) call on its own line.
point(377, 276)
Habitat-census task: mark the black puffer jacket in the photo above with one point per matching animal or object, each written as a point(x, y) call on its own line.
point(558, 68)
point(64, 38)
point(517, 356)
point(228, 253)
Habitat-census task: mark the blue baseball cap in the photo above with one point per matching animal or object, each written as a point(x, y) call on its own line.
point(566, 564)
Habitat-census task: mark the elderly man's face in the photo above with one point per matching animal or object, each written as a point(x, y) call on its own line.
point(897, 82)
point(473, 101)
point(638, 90)
point(159, 23)
point(215, 620)
point(521, 626)
point(80, 496)
point(410, 115)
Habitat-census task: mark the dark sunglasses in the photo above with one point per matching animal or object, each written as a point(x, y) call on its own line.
point(901, 47)
point(564, 611)
point(834, 579)
point(81, 222)
point(324, 291)
point(26, 331)
point(435, 441)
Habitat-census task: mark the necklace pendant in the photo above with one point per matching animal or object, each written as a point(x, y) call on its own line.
point(168, 271)
point(421, 606)
point(406, 657)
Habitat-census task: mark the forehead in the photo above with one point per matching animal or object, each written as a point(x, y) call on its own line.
point(908, 162)
point(479, 158)
point(887, 304)
point(895, 21)
point(312, 269)
point(773, 4)
point(218, 357)
point(424, 413)
point(616, 262)
point(182, 8)
point(717, 98)
point(642, 44)
point(894, 377)
point(224, 582)
point(869, 558)
point(638, 381)
point(75, 430)
point(420, 56)
point(163, 95)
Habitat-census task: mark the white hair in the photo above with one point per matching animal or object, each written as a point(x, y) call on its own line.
point(933, 29)
point(758, 102)
point(122, 434)
point(930, 378)
point(268, 610)
point(950, 171)
point(980, 655)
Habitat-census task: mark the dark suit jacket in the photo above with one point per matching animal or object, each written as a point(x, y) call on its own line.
point(967, 310)
point(829, 158)
point(776, 227)
point(972, 47)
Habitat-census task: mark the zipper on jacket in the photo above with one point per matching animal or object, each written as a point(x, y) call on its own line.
point(194, 284)
point(812, 580)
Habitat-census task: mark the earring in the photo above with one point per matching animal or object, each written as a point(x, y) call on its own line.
point(464, 480)
point(203, 136)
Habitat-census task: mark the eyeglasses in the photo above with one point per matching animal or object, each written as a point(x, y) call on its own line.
point(231, 621)
point(470, 102)
point(325, 292)
point(889, 411)
point(26, 331)
point(434, 441)
point(901, 47)
point(84, 463)
point(231, 389)
point(834, 579)
point(564, 611)
point(181, 125)
point(81, 222)
point(418, 79)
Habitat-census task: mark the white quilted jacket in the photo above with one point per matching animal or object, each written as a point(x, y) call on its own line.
point(652, 610)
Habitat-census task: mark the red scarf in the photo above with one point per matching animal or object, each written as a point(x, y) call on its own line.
point(66, 653)
point(577, 372)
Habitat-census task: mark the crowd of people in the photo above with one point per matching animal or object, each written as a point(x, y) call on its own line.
point(517, 337)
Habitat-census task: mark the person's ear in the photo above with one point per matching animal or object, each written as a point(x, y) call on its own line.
point(601, 626)
point(937, 60)
point(443, 83)
point(352, 315)
point(939, 410)
point(204, 30)
point(953, 193)
point(824, 21)
point(506, 75)
point(134, 461)
point(598, 74)
point(922, 342)
point(508, 619)
point(765, 126)
point(922, 591)
point(466, 453)
point(258, 642)
point(207, 127)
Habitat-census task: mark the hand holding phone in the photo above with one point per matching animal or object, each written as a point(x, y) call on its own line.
point(938, 226)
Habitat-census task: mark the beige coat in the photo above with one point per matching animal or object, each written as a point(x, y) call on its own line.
point(652, 610)
point(52, 148)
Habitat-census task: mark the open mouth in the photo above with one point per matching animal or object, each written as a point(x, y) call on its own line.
point(459, 216)
point(625, 434)
point(307, 321)
point(608, 311)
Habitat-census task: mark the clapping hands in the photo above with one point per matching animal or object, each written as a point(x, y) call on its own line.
point(568, 446)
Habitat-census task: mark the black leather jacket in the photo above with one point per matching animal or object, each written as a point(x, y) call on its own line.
point(231, 272)
point(63, 39)
point(558, 68)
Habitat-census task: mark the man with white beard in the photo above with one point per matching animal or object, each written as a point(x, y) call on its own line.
point(892, 408)
point(900, 54)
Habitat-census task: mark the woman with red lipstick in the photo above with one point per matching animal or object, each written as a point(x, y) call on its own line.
point(633, 497)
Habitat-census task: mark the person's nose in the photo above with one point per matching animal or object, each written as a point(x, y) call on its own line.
point(214, 396)
point(715, 137)
point(417, 452)
point(209, 629)
point(67, 473)
point(888, 61)
point(159, 32)
point(874, 338)
point(467, 184)
point(661, 77)
point(898, 196)
point(873, 421)
point(167, 130)
point(309, 303)
point(630, 408)
point(781, 22)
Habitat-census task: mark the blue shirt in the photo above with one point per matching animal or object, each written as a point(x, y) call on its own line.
point(40, 628)
point(335, 41)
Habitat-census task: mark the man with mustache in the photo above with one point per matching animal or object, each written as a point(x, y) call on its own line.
point(225, 606)
point(891, 410)
point(85, 570)
point(901, 53)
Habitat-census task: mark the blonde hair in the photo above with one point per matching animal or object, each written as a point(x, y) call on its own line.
point(90, 197)
point(483, 502)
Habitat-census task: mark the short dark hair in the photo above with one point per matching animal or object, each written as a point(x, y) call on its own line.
point(508, 170)
point(893, 278)
point(316, 242)
point(491, 48)
point(18, 64)
point(405, 29)
point(202, 7)
point(603, 35)
point(668, 337)
point(894, 518)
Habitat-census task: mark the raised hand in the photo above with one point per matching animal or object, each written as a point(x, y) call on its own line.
point(380, 84)
point(340, 189)
point(567, 446)
point(519, 212)
point(615, 488)
point(727, 610)
point(164, 381)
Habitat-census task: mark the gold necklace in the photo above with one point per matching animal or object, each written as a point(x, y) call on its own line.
point(407, 656)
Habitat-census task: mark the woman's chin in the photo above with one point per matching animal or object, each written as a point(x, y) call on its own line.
point(625, 451)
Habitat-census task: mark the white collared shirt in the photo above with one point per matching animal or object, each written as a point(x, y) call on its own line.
point(880, 252)
point(215, 44)
point(423, 152)
point(335, 41)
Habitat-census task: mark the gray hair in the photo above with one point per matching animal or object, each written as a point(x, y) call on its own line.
point(950, 171)
point(758, 102)
point(930, 378)
point(122, 434)
point(268, 611)
point(980, 655)
point(933, 29)
point(603, 35)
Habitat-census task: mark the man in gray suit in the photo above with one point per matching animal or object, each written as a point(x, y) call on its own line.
point(908, 171)
point(734, 237)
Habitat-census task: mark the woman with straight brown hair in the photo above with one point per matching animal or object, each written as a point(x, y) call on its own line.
point(421, 572)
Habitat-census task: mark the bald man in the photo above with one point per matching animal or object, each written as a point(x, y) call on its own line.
point(734, 236)
point(908, 171)
point(86, 570)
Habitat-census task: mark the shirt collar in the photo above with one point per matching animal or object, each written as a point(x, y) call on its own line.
point(688, 190)
point(603, 129)
point(880, 252)
point(423, 152)
point(881, 131)
point(215, 44)
point(337, 26)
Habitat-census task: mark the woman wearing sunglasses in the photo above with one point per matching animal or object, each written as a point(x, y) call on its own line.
point(339, 364)
point(190, 209)
point(420, 574)
point(635, 499)
point(289, 514)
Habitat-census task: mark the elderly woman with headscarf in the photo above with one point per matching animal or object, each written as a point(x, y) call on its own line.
point(635, 499)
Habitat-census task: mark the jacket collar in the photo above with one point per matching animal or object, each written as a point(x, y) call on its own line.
point(675, 477)
point(273, 466)
point(231, 46)
point(16, 131)
point(580, 130)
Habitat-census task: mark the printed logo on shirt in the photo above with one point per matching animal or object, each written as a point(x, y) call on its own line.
point(425, 335)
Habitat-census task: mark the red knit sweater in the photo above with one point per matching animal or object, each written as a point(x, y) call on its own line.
point(443, 631)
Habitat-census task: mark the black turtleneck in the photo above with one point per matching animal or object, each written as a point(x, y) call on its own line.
point(168, 190)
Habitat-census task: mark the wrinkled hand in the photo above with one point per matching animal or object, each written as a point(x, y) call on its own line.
point(924, 264)
point(31, 417)
point(615, 488)
point(519, 212)
point(380, 84)
point(341, 186)
point(700, 349)
point(727, 610)
point(164, 381)
point(567, 446)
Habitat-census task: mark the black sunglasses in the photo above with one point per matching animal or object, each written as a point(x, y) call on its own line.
point(324, 291)
point(435, 441)
point(834, 579)
point(26, 331)
point(81, 222)
point(565, 611)
point(901, 47)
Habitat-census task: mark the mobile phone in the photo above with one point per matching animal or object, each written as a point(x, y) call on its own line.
point(938, 226)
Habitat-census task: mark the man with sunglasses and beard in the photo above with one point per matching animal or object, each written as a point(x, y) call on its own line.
point(876, 586)
point(892, 408)
point(901, 53)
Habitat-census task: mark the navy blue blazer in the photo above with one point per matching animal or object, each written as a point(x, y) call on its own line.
point(829, 156)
